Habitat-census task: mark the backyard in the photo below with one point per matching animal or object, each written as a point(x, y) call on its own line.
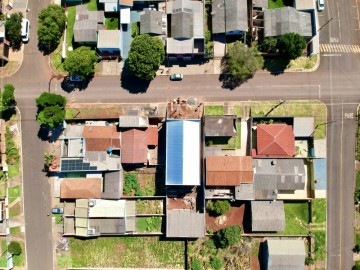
point(296, 218)
point(226, 142)
point(127, 252)
point(314, 109)
point(148, 224)
point(318, 227)
point(149, 206)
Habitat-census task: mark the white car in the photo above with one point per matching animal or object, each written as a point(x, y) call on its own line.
point(176, 77)
point(25, 30)
point(321, 5)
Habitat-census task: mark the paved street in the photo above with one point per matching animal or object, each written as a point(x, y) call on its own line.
point(336, 82)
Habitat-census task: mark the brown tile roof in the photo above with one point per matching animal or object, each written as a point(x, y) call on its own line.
point(152, 136)
point(134, 146)
point(275, 140)
point(101, 138)
point(228, 170)
point(80, 188)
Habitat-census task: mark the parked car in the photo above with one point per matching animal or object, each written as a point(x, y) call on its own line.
point(321, 5)
point(176, 77)
point(75, 78)
point(57, 210)
point(25, 30)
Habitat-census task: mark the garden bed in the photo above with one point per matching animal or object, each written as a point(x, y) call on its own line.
point(148, 224)
point(149, 207)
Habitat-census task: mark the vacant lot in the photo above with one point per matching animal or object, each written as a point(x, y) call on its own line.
point(131, 252)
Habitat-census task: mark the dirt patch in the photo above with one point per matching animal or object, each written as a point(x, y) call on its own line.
point(180, 109)
point(254, 263)
point(181, 203)
point(234, 217)
point(120, 247)
point(147, 183)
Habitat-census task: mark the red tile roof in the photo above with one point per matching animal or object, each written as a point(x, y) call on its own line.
point(80, 188)
point(134, 146)
point(101, 138)
point(275, 140)
point(152, 136)
point(228, 170)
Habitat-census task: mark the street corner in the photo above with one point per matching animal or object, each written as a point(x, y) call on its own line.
point(14, 60)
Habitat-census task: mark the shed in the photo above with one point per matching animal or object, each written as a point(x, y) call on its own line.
point(286, 254)
point(183, 223)
point(304, 126)
point(267, 216)
point(220, 126)
point(182, 152)
point(275, 140)
point(228, 170)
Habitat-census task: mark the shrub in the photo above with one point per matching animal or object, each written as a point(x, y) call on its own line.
point(131, 183)
point(196, 265)
point(49, 99)
point(229, 236)
point(14, 248)
point(269, 44)
point(356, 249)
point(309, 260)
point(135, 31)
point(219, 207)
point(215, 263)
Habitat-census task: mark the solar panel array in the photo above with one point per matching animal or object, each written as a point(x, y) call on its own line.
point(76, 165)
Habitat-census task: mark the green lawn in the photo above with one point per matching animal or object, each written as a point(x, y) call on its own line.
point(315, 109)
point(112, 23)
point(58, 218)
point(319, 210)
point(56, 58)
point(296, 218)
point(357, 239)
point(15, 229)
point(14, 170)
point(92, 5)
point(320, 245)
point(15, 210)
point(148, 224)
point(214, 110)
point(19, 260)
point(130, 252)
point(3, 261)
point(70, 25)
point(14, 192)
point(276, 4)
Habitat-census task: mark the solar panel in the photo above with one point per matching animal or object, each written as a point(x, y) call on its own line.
point(76, 165)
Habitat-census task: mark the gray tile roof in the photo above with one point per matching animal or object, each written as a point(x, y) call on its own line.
point(286, 254)
point(87, 23)
point(108, 225)
point(112, 185)
point(285, 20)
point(267, 216)
point(223, 126)
point(182, 25)
point(229, 15)
point(261, 3)
point(280, 174)
point(245, 192)
point(126, 121)
point(183, 223)
point(151, 22)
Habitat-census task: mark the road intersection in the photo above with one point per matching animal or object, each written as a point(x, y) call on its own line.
point(336, 83)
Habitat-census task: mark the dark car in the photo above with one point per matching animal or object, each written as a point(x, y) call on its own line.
point(57, 210)
point(176, 77)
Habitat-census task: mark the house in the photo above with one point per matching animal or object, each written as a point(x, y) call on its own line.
point(184, 223)
point(229, 17)
point(97, 217)
point(133, 121)
point(275, 140)
point(285, 20)
point(80, 188)
point(287, 254)
point(182, 152)
point(109, 43)
point(135, 143)
point(220, 126)
point(228, 170)
point(87, 23)
point(267, 216)
point(151, 22)
point(274, 175)
point(186, 31)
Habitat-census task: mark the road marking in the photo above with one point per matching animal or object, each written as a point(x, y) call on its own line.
point(338, 11)
point(349, 115)
point(337, 48)
point(338, 54)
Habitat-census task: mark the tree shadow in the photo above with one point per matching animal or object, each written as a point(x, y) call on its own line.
point(228, 81)
point(45, 49)
point(7, 114)
point(275, 65)
point(69, 86)
point(131, 83)
point(50, 134)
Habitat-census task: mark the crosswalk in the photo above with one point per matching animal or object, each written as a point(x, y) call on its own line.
point(339, 48)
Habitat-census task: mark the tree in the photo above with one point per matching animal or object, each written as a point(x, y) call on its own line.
point(51, 26)
point(8, 98)
point(291, 45)
point(269, 45)
point(13, 28)
point(309, 260)
point(49, 99)
point(145, 56)
point(241, 62)
point(229, 236)
point(196, 265)
point(219, 207)
point(81, 62)
point(215, 263)
point(356, 249)
point(14, 248)
point(51, 116)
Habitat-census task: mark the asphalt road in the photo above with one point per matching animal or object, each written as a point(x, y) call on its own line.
point(336, 82)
